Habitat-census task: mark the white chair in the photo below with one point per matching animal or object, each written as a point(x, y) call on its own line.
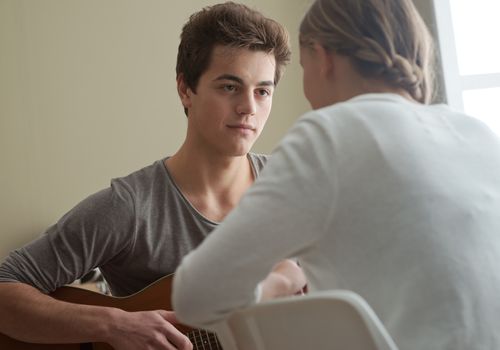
point(333, 320)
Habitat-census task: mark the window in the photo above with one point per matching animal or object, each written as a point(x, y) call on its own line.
point(468, 36)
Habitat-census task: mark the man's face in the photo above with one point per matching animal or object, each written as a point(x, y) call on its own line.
point(232, 101)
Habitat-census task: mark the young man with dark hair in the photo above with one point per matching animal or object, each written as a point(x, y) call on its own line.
point(137, 230)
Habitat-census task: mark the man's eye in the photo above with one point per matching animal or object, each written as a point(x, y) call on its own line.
point(229, 88)
point(263, 92)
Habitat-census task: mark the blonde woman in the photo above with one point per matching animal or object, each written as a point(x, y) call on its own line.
point(375, 191)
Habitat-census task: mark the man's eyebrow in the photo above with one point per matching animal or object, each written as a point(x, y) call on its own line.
point(240, 81)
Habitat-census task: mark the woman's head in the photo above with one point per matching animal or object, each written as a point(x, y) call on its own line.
point(384, 39)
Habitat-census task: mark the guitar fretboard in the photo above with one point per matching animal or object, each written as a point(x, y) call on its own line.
point(203, 340)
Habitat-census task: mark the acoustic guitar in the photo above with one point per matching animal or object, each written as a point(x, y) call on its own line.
point(155, 296)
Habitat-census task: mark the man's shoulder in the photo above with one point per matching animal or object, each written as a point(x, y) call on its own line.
point(142, 180)
point(258, 160)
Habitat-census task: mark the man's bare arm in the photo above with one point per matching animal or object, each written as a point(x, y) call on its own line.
point(28, 315)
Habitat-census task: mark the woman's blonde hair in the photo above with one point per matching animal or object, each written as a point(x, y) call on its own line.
point(385, 39)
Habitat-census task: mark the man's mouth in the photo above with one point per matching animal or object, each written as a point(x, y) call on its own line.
point(242, 127)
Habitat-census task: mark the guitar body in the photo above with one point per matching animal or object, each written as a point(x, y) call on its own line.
point(154, 297)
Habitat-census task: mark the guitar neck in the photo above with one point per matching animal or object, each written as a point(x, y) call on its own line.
point(203, 340)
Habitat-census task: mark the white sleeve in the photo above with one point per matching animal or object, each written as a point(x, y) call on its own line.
point(283, 214)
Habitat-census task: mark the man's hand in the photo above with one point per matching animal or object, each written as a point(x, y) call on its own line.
point(147, 330)
point(285, 279)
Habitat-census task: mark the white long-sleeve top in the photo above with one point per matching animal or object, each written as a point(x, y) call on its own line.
point(396, 201)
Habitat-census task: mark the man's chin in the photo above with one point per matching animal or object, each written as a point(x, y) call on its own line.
point(241, 152)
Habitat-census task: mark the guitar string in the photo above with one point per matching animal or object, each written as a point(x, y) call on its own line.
point(214, 337)
point(203, 342)
point(209, 344)
point(199, 339)
point(194, 339)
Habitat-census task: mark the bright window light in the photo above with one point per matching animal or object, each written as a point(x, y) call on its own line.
point(476, 26)
point(484, 104)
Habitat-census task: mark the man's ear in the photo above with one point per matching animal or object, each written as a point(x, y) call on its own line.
point(184, 92)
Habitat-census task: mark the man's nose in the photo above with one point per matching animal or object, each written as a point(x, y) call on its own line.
point(247, 104)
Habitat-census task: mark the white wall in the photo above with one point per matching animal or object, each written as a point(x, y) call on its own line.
point(87, 93)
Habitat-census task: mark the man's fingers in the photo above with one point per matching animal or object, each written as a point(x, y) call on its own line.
point(173, 335)
point(169, 316)
point(179, 340)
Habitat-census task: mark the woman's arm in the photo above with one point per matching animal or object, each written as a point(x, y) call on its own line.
point(282, 216)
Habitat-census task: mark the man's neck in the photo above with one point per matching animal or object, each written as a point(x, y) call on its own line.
point(213, 183)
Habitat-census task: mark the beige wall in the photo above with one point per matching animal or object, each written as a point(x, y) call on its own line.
point(87, 93)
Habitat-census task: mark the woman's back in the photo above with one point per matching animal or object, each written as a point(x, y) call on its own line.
point(373, 192)
point(417, 219)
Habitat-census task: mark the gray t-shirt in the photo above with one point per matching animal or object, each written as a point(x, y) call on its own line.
point(136, 231)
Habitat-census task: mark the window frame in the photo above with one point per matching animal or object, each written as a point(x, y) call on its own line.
point(454, 82)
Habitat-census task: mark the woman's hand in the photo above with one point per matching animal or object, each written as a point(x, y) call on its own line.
point(285, 279)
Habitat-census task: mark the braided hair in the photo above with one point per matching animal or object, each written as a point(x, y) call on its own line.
point(385, 39)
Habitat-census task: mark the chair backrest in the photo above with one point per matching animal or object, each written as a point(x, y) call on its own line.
point(333, 320)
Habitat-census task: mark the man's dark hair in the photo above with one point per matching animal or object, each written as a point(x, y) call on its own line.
point(233, 25)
